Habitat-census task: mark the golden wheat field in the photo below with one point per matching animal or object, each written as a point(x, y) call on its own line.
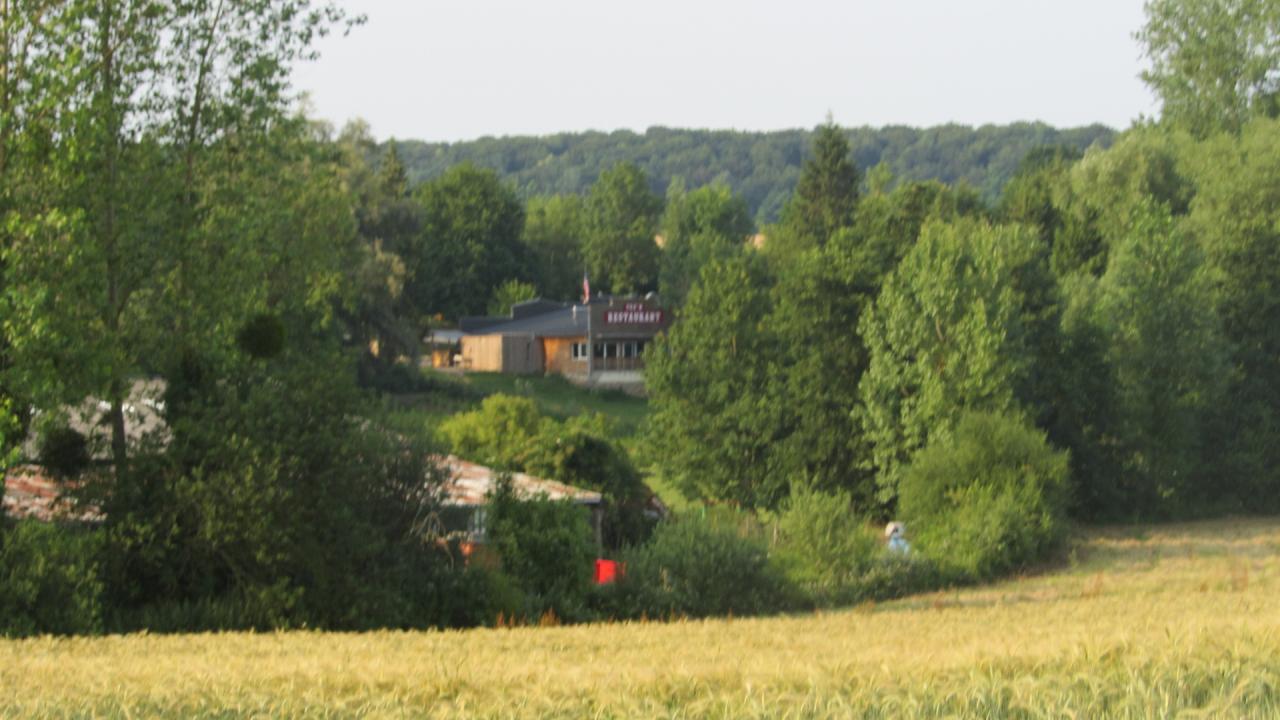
point(1162, 621)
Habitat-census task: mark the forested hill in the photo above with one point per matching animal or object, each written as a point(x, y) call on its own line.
point(761, 166)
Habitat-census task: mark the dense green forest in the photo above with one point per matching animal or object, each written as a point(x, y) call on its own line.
point(762, 167)
point(1096, 338)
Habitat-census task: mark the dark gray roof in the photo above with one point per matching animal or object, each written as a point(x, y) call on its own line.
point(479, 325)
point(536, 306)
point(473, 324)
point(442, 336)
point(567, 321)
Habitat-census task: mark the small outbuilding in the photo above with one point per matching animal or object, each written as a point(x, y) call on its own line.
point(467, 493)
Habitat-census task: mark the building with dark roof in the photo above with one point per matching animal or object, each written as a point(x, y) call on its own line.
point(599, 344)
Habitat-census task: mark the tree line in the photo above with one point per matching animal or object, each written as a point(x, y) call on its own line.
point(762, 167)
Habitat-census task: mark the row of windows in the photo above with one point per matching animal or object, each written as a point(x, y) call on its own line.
point(605, 350)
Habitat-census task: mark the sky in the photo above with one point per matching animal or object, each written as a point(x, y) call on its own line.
point(450, 70)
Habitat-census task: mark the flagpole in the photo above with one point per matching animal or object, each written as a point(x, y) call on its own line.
point(591, 347)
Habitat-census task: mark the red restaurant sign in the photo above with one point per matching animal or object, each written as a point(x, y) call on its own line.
point(633, 314)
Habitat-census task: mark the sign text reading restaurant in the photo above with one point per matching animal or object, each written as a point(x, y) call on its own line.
point(633, 314)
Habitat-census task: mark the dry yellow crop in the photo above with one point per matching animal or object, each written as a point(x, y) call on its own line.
point(1165, 621)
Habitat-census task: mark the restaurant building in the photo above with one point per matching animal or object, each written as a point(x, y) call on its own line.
point(597, 344)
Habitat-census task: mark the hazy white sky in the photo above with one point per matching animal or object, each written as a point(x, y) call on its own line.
point(462, 69)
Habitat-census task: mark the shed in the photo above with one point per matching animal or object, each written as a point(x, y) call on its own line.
point(467, 492)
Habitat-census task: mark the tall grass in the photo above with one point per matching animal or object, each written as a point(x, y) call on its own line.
point(1151, 622)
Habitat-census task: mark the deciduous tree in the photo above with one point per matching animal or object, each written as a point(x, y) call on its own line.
point(1235, 218)
point(554, 232)
point(949, 332)
point(469, 243)
point(713, 423)
point(698, 225)
point(622, 222)
point(1167, 353)
point(1214, 63)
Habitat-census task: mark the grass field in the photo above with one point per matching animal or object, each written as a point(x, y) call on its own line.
point(1163, 621)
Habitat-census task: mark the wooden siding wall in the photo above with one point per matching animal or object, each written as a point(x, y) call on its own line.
point(559, 355)
point(482, 352)
point(521, 354)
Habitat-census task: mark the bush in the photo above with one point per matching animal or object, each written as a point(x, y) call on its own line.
point(986, 499)
point(825, 548)
point(262, 337)
point(13, 428)
point(698, 567)
point(546, 547)
point(63, 451)
point(405, 378)
point(49, 580)
point(498, 434)
point(275, 505)
point(579, 452)
point(511, 433)
point(894, 576)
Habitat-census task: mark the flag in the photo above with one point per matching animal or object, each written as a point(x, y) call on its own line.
point(586, 289)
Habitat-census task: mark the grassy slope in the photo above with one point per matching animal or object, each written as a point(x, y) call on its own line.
point(1146, 622)
point(560, 398)
point(555, 396)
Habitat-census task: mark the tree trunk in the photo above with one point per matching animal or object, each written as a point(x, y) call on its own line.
point(111, 134)
point(119, 438)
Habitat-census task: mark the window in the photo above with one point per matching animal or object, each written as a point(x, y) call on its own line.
point(579, 351)
point(628, 349)
point(476, 525)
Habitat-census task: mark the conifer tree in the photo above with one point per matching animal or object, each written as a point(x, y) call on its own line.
point(826, 196)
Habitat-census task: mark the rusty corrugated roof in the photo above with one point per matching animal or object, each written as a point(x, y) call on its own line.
point(30, 493)
point(469, 485)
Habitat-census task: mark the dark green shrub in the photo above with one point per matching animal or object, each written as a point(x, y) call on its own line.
point(230, 612)
point(262, 337)
point(276, 505)
point(545, 546)
point(49, 580)
point(894, 576)
point(63, 451)
point(698, 567)
point(824, 547)
point(14, 421)
point(484, 597)
point(511, 433)
point(404, 378)
point(986, 499)
point(580, 452)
